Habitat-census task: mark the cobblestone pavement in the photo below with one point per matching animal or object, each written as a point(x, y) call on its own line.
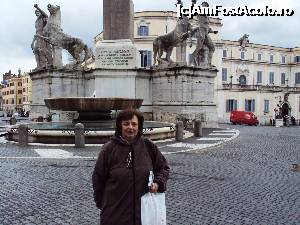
point(248, 180)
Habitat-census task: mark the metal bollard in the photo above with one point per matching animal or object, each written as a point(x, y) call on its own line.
point(179, 131)
point(23, 135)
point(12, 121)
point(198, 128)
point(79, 135)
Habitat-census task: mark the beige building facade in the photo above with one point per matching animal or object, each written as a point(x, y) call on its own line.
point(254, 78)
point(17, 93)
point(27, 92)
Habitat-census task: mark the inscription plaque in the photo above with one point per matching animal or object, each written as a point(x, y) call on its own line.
point(116, 57)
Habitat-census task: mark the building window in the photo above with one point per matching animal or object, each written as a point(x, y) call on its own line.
point(250, 105)
point(224, 53)
point(12, 101)
point(19, 84)
point(259, 77)
point(297, 78)
point(146, 58)
point(20, 101)
point(231, 104)
point(242, 55)
point(194, 35)
point(24, 99)
point(266, 106)
point(224, 74)
point(190, 59)
point(24, 89)
point(6, 101)
point(259, 56)
point(11, 84)
point(242, 80)
point(143, 31)
point(19, 91)
point(271, 77)
point(283, 59)
point(297, 58)
point(271, 58)
point(283, 78)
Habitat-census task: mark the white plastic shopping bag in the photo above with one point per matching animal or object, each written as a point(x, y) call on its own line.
point(153, 209)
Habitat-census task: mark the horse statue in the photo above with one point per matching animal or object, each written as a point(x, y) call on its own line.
point(55, 36)
point(166, 43)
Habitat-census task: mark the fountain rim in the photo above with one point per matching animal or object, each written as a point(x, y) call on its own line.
point(90, 98)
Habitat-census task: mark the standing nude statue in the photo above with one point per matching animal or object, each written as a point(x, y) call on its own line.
point(41, 49)
point(202, 55)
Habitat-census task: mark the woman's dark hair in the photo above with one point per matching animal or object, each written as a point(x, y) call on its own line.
point(127, 115)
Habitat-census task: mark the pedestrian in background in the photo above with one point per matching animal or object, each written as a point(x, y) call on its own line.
point(121, 173)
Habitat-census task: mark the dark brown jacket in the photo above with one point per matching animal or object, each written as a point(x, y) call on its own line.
point(120, 178)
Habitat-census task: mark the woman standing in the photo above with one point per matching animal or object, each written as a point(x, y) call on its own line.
point(121, 173)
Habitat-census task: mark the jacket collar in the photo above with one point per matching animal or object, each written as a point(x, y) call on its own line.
point(122, 141)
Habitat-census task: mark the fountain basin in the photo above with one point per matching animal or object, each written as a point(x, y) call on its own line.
point(95, 133)
point(90, 104)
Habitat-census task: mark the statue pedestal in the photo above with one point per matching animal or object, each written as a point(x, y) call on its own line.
point(184, 92)
point(116, 54)
point(54, 83)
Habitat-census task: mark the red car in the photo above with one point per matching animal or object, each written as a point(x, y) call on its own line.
point(242, 117)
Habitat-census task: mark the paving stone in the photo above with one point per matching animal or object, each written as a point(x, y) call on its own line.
point(247, 181)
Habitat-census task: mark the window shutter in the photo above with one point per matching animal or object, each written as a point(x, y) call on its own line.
point(149, 58)
point(235, 104)
point(253, 105)
point(227, 105)
point(246, 105)
point(142, 59)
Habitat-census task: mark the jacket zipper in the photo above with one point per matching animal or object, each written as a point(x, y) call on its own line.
point(133, 174)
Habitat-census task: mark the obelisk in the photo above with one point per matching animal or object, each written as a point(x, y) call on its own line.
point(118, 19)
point(117, 50)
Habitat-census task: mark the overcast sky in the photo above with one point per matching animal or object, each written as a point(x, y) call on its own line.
point(83, 19)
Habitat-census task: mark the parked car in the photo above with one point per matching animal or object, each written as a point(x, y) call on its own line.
point(243, 117)
point(2, 114)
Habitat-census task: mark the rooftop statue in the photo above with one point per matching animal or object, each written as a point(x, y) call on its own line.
point(244, 40)
point(202, 55)
point(54, 35)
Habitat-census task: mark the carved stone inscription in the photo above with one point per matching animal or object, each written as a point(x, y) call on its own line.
point(115, 58)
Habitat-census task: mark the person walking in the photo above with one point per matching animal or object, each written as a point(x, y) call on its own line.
point(120, 176)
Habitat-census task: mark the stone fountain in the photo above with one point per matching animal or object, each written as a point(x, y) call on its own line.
point(74, 93)
point(89, 94)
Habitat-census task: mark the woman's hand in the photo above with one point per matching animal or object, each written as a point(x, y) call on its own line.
point(154, 188)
